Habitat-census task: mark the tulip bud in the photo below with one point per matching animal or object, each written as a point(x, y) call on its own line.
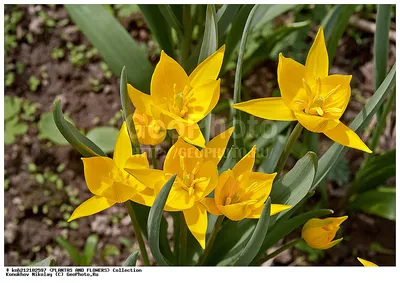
point(366, 262)
point(319, 233)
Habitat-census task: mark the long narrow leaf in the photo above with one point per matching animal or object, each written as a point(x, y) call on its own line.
point(72, 251)
point(89, 250)
point(49, 261)
point(328, 160)
point(78, 141)
point(131, 260)
point(154, 222)
point(170, 17)
point(225, 16)
point(256, 240)
point(115, 44)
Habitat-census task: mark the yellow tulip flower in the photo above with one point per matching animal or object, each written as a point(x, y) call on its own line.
point(109, 183)
point(241, 193)
point(180, 101)
point(319, 233)
point(148, 129)
point(197, 176)
point(366, 262)
point(311, 96)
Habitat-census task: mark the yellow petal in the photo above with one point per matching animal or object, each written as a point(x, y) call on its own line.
point(137, 161)
point(91, 206)
point(337, 97)
point(245, 164)
point(98, 173)
point(256, 185)
point(182, 153)
point(317, 63)
point(197, 221)
point(166, 119)
point(275, 208)
point(337, 220)
point(148, 177)
point(121, 192)
point(235, 212)
point(209, 204)
point(208, 69)
point(201, 100)
point(169, 78)
point(209, 172)
point(215, 149)
point(123, 147)
point(192, 134)
point(345, 136)
point(271, 108)
point(366, 262)
point(290, 79)
point(331, 244)
point(315, 123)
point(145, 197)
point(149, 131)
point(178, 198)
point(219, 194)
point(140, 100)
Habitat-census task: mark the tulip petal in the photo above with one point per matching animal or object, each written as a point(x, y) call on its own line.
point(199, 100)
point(245, 164)
point(209, 172)
point(338, 98)
point(366, 262)
point(331, 244)
point(182, 153)
point(91, 206)
point(275, 209)
point(336, 221)
point(192, 134)
point(317, 63)
point(208, 69)
point(290, 79)
point(256, 185)
point(148, 177)
point(235, 212)
point(270, 108)
point(169, 78)
point(145, 197)
point(166, 119)
point(140, 100)
point(215, 149)
point(98, 173)
point(149, 130)
point(197, 220)
point(345, 136)
point(123, 147)
point(121, 192)
point(137, 161)
point(219, 193)
point(316, 124)
point(209, 204)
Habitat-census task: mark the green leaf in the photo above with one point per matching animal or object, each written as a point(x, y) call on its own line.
point(131, 260)
point(159, 27)
point(127, 111)
point(380, 202)
point(72, 251)
point(104, 137)
point(78, 141)
point(328, 160)
point(49, 261)
point(89, 250)
point(154, 221)
point(171, 19)
point(266, 13)
point(48, 129)
point(114, 43)
point(375, 172)
point(335, 24)
point(225, 16)
point(340, 173)
point(253, 245)
point(12, 106)
point(269, 163)
point(381, 43)
point(270, 133)
point(208, 46)
point(294, 185)
point(13, 127)
point(284, 227)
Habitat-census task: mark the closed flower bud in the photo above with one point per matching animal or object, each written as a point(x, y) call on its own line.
point(366, 262)
point(319, 233)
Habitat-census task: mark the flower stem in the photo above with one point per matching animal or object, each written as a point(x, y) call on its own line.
point(182, 240)
point(138, 233)
point(153, 156)
point(280, 250)
point(288, 147)
point(211, 240)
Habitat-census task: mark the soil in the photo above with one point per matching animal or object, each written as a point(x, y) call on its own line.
point(31, 228)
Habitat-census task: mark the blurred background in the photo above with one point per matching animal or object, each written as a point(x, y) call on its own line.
point(48, 57)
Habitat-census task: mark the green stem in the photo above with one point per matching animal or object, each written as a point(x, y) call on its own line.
point(182, 240)
point(153, 156)
point(187, 34)
point(211, 239)
point(288, 148)
point(138, 233)
point(278, 251)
